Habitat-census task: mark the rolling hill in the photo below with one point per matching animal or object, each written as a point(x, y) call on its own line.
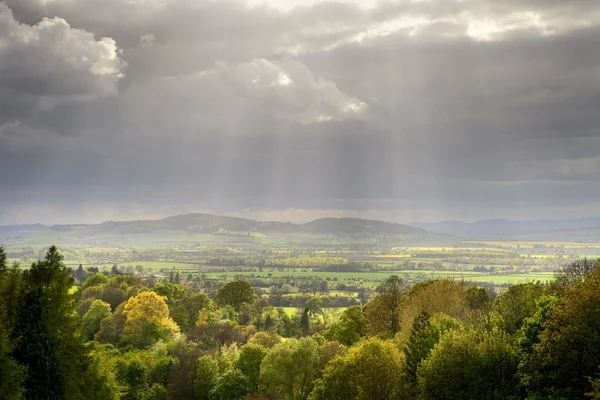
point(214, 228)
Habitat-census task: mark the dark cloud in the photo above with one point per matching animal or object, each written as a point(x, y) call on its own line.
point(404, 110)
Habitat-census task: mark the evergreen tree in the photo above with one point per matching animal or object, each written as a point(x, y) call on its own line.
point(51, 346)
point(12, 374)
point(418, 347)
point(305, 322)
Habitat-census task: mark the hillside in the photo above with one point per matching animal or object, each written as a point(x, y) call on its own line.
point(357, 226)
point(559, 229)
point(218, 230)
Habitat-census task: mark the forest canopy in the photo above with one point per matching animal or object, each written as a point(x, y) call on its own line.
point(120, 336)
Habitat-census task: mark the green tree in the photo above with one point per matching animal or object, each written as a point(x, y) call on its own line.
point(232, 385)
point(50, 346)
point(266, 339)
point(470, 364)
point(137, 379)
point(184, 305)
point(350, 327)
point(93, 317)
point(102, 382)
point(371, 370)
point(568, 352)
point(382, 313)
point(425, 333)
point(235, 294)
point(248, 362)
point(207, 374)
point(288, 368)
point(97, 279)
point(574, 272)
point(515, 304)
point(12, 374)
point(305, 321)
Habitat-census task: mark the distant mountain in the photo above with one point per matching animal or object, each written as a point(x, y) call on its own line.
point(508, 229)
point(353, 226)
point(216, 230)
point(208, 223)
point(14, 232)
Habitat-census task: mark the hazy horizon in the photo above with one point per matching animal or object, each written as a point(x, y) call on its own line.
point(402, 111)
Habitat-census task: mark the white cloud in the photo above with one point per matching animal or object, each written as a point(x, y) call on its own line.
point(51, 59)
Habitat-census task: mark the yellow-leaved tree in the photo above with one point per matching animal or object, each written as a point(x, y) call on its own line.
point(147, 320)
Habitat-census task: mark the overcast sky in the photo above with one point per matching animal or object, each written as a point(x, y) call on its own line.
point(419, 110)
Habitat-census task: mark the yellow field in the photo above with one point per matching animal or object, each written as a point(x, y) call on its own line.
point(529, 245)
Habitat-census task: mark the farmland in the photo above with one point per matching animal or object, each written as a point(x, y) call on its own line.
point(343, 260)
point(270, 259)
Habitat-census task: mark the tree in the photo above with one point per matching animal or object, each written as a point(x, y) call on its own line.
point(425, 333)
point(79, 274)
point(111, 327)
point(350, 327)
point(248, 362)
point(97, 279)
point(305, 322)
point(93, 317)
point(382, 313)
point(568, 351)
point(574, 272)
point(435, 296)
point(12, 374)
point(53, 350)
point(136, 377)
point(266, 339)
point(289, 368)
point(470, 364)
point(515, 304)
point(372, 370)
point(147, 320)
point(235, 294)
point(206, 377)
point(184, 305)
point(232, 385)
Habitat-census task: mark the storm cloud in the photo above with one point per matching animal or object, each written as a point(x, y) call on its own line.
point(398, 110)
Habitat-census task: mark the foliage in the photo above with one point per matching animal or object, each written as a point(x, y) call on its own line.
point(147, 320)
point(248, 362)
point(289, 368)
point(207, 375)
point(232, 385)
point(568, 352)
point(470, 364)
point(266, 339)
point(383, 312)
point(371, 370)
point(516, 303)
point(47, 326)
point(426, 332)
point(574, 272)
point(350, 327)
point(235, 294)
point(94, 280)
point(435, 296)
point(93, 318)
point(12, 374)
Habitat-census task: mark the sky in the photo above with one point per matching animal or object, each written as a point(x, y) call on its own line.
point(401, 110)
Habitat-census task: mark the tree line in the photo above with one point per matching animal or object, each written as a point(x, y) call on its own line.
point(124, 337)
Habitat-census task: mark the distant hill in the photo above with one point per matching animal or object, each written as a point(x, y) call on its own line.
point(353, 226)
point(15, 232)
point(215, 229)
point(560, 229)
point(209, 223)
